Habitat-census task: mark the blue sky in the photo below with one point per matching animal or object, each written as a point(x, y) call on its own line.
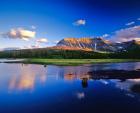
point(57, 19)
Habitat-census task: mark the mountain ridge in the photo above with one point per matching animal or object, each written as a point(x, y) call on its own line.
point(92, 43)
point(97, 44)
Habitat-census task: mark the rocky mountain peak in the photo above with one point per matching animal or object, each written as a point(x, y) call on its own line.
point(97, 43)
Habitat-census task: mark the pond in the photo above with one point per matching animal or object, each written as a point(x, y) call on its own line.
point(31, 88)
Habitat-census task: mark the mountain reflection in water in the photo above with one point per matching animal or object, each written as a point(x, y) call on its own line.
point(100, 86)
point(26, 76)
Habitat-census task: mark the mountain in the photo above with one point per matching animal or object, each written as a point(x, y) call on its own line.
point(79, 48)
point(127, 46)
point(94, 44)
point(97, 44)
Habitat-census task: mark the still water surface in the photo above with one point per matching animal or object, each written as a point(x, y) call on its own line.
point(30, 88)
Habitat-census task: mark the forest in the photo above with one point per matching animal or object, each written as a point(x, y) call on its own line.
point(68, 54)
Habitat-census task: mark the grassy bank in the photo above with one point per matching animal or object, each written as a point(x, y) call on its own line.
point(77, 61)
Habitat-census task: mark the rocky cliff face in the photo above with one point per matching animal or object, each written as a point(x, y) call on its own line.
point(129, 45)
point(95, 44)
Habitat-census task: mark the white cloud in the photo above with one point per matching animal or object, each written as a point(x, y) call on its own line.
point(33, 27)
point(130, 23)
point(127, 34)
point(26, 33)
point(38, 43)
point(138, 19)
point(19, 33)
point(26, 39)
point(42, 40)
point(31, 47)
point(55, 42)
point(80, 22)
point(105, 35)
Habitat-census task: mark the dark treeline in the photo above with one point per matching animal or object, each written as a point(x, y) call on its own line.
point(132, 53)
point(50, 53)
point(66, 54)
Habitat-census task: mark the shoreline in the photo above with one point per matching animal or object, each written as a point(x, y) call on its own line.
point(67, 62)
point(76, 62)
